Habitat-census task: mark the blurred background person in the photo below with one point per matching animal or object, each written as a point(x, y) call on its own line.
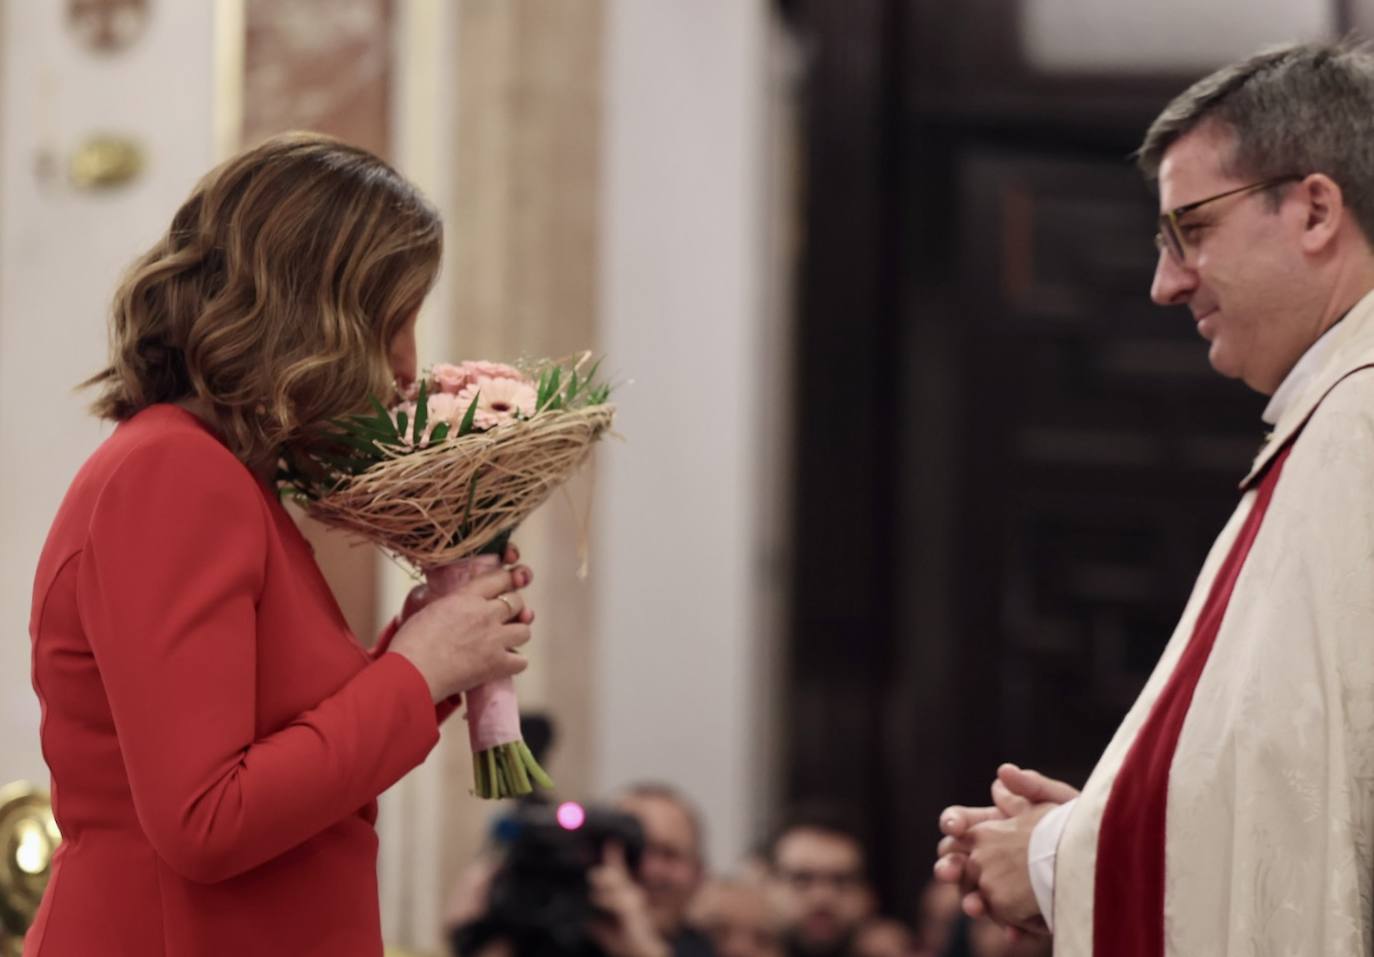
point(819, 882)
point(737, 915)
point(884, 937)
point(672, 869)
point(938, 910)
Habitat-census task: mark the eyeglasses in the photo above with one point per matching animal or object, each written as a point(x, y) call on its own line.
point(804, 879)
point(1170, 237)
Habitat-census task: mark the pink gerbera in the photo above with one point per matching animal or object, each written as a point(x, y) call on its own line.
point(499, 400)
point(441, 408)
point(480, 369)
point(453, 379)
point(449, 378)
point(408, 410)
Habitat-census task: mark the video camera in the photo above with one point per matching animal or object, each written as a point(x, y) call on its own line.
point(538, 900)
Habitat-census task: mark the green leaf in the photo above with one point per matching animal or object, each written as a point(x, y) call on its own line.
point(421, 413)
point(596, 367)
point(465, 427)
point(588, 382)
point(555, 381)
point(358, 425)
point(370, 423)
point(545, 378)
point(402, 420)
point(384, 419)
point(439, 434)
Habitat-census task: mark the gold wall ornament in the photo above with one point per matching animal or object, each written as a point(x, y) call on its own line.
point(108, 26)
point(28, 841)
point(106, 162)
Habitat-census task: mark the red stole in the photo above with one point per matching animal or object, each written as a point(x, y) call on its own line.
point(1128, 897)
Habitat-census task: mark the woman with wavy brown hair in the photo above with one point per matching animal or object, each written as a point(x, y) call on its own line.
point(217, 737)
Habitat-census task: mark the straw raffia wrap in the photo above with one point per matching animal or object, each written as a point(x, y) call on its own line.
point(446, 508)
point(436, 505)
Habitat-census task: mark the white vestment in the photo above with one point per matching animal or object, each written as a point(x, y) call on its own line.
point(1270, 794)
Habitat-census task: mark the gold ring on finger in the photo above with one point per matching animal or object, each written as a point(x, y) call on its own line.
point(510, 607)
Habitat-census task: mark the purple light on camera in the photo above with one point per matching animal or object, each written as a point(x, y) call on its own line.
point(571, 816)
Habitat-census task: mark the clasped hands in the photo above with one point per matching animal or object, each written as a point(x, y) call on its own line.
point(986, 850)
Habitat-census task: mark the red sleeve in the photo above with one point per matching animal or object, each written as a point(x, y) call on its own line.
point(167, 588)
point(383, 643)
point(444, 709)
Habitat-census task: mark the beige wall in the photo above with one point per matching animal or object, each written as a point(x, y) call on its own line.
point(608, 187)
point(497, 116)
point(61, 251)
point(685, 578)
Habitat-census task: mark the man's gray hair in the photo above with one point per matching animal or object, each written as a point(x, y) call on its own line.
point(1299, 109)
point(658, 790)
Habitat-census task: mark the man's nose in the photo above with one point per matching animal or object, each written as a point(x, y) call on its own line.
point(1173, 283)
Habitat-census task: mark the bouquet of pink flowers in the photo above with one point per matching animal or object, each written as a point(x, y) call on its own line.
point(441, 480)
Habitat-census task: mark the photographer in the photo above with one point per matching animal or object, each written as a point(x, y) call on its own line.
point(671, 872)
point(625, 927)
point(593, 882)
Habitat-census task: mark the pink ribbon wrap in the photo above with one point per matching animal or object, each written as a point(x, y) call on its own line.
point(493, 713)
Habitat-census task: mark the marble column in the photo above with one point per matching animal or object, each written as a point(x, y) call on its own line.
point(324, 65)
point(524, 230)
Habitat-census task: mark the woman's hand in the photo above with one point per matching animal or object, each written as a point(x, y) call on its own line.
point(467, 638)
point(420, 595)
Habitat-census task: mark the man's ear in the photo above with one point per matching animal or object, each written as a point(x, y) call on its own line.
point(1326, 212)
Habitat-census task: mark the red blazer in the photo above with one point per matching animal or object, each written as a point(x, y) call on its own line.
point(217, 737)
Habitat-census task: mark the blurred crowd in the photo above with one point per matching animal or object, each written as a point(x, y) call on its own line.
point(806, 891)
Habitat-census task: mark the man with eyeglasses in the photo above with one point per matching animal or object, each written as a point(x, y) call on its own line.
point(818, 880)
point(1233, 811)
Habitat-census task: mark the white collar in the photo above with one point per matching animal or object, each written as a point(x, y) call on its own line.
point(1299, 376)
